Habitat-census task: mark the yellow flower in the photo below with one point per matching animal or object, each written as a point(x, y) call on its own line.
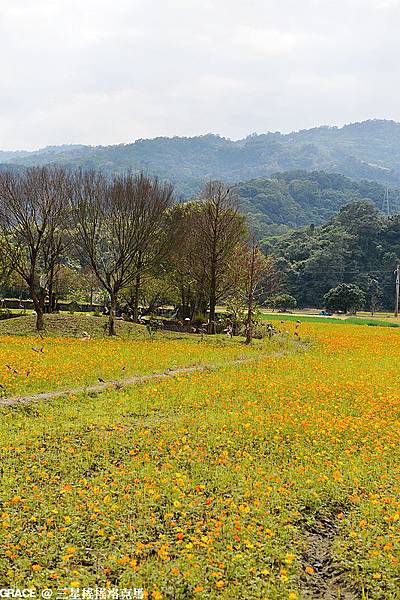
point(289, 558)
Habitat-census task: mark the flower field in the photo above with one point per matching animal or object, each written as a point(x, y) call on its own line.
point(276, 479)
point(30, 364)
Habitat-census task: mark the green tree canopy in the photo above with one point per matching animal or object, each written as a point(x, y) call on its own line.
point(345, 297)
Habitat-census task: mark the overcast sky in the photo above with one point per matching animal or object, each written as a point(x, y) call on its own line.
point(111, 71)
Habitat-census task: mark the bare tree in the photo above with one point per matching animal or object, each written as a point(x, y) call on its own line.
point(220, 228)
point(155, 240)
point(114, 222)
point(250, 271)
point(256, 269)
point(33, 223)
point(186, 259)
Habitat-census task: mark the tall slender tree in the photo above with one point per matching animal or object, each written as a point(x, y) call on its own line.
point(256, 269)
point(156, 241)
point(219, 230)
point(186, 264)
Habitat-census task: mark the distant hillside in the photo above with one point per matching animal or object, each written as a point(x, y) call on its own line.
point(300, 198)
point(357, 245)
point(367, 150)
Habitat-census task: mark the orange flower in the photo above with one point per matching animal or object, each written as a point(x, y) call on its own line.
point(309, 570)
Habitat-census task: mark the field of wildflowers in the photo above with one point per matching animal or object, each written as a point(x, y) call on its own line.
point(274, 479)
point(30, 364)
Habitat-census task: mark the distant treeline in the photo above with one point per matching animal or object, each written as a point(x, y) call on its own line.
point(358, 245)
point(124, 239)
point(298, 198)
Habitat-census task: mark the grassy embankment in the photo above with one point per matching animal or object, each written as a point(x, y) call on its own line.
point(344, 320)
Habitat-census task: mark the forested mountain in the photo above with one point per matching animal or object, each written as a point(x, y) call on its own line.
point(294, 199)
point(358, 245)
point(367, 150)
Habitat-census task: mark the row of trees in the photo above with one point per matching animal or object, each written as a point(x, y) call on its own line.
point(124, 235)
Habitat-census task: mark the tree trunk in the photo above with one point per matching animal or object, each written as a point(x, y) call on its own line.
point(250, 297)
point(50, 292)
point(249, 323)
point(200, 306)
point(39, 309)
point(250, 300)
point(187, 308)
point(52, 301)
point(39, 320)
point(213, 302)
point(136, 298)
point(111, 317)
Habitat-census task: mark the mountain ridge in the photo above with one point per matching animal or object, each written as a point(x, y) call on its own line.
point(356, 125)
point(367, 150)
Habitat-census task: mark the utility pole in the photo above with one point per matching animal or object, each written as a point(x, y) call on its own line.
point(386, 202)
point(396, 306)
point(250, 291)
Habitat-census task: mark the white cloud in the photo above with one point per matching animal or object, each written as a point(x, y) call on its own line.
point(102, 72)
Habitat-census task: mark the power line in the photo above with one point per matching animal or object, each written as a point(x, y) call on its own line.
point(340, 272)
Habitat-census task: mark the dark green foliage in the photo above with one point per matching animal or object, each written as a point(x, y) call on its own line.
point(299, 198)
point(345, 297)
point(359, 245)
point(282, 302)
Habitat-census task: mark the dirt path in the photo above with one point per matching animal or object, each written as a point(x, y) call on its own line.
point(328, 581)
point(134, 379)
